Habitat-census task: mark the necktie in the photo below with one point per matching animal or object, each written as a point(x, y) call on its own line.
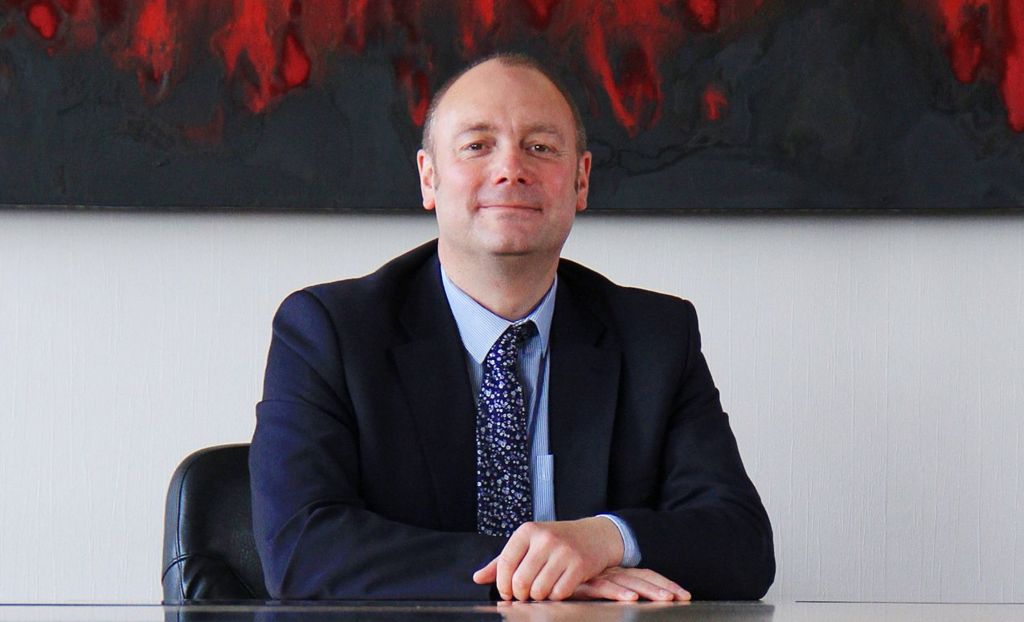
point(504, 499)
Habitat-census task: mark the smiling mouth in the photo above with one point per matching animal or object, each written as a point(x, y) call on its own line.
point(511, 206)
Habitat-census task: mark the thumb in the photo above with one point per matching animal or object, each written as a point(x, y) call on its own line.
point(487, 574)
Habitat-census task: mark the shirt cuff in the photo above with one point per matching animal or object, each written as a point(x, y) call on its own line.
point(630, 550)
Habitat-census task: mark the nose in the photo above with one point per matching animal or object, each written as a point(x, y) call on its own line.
point(510, 167)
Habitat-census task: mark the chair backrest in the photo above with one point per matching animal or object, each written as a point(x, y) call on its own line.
point(209, 550)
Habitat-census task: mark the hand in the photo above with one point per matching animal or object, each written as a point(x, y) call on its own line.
point(550, 560)
point(630, 584)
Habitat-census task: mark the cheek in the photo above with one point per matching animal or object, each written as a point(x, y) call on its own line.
point(457, 181)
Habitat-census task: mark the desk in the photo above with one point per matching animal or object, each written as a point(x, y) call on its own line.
point(519, 612)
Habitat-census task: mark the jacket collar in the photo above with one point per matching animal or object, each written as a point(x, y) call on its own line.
point(435, 381)
point(585, 362)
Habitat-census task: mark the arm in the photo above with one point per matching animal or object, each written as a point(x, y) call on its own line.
point(315, 536)
point(709, 531)
point(705, 530)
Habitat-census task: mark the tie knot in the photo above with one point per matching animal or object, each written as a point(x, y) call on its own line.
point(522, 331)
point(505, 350)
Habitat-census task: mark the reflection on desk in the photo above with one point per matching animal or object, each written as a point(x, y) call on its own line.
point(508, 612)
point(518, 612)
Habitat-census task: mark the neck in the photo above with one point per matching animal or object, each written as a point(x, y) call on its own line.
point(508, 286)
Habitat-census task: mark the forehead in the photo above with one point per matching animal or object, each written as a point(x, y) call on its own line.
point(497, 96)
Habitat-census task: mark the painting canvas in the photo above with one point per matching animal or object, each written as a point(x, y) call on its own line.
point(689, 104)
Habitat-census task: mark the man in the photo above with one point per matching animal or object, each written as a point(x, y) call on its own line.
point(479, 419)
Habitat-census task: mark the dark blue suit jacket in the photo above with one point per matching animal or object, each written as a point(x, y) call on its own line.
point(363, 460)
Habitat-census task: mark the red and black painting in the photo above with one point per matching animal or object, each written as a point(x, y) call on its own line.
point(690, 104)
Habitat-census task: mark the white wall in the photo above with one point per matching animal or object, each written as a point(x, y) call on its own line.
point(872, 368)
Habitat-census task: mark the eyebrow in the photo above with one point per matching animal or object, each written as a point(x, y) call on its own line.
point(544, 128)
point(476, 127)
point(536, 128)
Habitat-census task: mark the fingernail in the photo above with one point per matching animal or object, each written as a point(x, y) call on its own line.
point(683, 594)
point(630, 594)
point(664, 594)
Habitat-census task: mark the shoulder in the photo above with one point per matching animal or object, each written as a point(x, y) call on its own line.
point(618, 303)
point(652, 329)
point(375, 295)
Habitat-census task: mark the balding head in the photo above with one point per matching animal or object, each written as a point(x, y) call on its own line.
point(507, 60)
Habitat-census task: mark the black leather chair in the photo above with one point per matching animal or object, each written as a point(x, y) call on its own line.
point(209, 550)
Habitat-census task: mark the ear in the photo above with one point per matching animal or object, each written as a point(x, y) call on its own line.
point(583, 180)
point(428, 179)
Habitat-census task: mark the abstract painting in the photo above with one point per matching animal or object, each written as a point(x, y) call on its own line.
point(706, 105)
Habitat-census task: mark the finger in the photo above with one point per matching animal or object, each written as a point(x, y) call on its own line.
point(526, 573)
point(487, 574)
point(661, 581)
point(603, 589)
point(546, 580)
point(566, 585)
point(508, 562)
point(641, 586)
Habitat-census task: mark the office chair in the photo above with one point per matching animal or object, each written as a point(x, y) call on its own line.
point(209, 549)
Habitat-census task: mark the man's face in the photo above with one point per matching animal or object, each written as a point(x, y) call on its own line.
point(504, 175)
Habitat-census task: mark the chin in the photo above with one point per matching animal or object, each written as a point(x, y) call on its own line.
point(511, 250)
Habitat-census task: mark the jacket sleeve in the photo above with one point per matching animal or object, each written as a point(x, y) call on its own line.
point(315, 536)
point(709, 531)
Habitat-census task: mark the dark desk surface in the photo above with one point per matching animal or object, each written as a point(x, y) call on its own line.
point(519, 612)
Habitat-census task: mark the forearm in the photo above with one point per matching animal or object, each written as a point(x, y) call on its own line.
point(718, 551)
point(316, 537)
point(334, 551)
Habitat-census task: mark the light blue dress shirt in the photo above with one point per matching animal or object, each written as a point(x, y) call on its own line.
point(479, 329)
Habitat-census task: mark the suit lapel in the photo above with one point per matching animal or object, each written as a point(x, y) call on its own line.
point(432, 369)
point(583, 389)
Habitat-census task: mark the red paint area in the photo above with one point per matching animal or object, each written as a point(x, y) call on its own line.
point(44, 18)
point(965, 25)
point(248, 39)
point(539, 12)
point(416, 85)
point(985, 41)
point(640, 30)
point(704, 12)
point(475, 24)
point(1012, 85)
point(154, 41)
point(269, 47)
point(294, 62)
point(623, 43)
point(713, 103)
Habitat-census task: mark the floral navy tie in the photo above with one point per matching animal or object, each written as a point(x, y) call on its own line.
point(503, 497)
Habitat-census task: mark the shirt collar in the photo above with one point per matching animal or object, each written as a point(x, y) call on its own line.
point(479, 328)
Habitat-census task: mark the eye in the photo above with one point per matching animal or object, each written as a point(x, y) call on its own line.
point(473, 147)
point(541, 148)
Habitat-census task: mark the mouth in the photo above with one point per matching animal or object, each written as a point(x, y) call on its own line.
point(510, 206)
